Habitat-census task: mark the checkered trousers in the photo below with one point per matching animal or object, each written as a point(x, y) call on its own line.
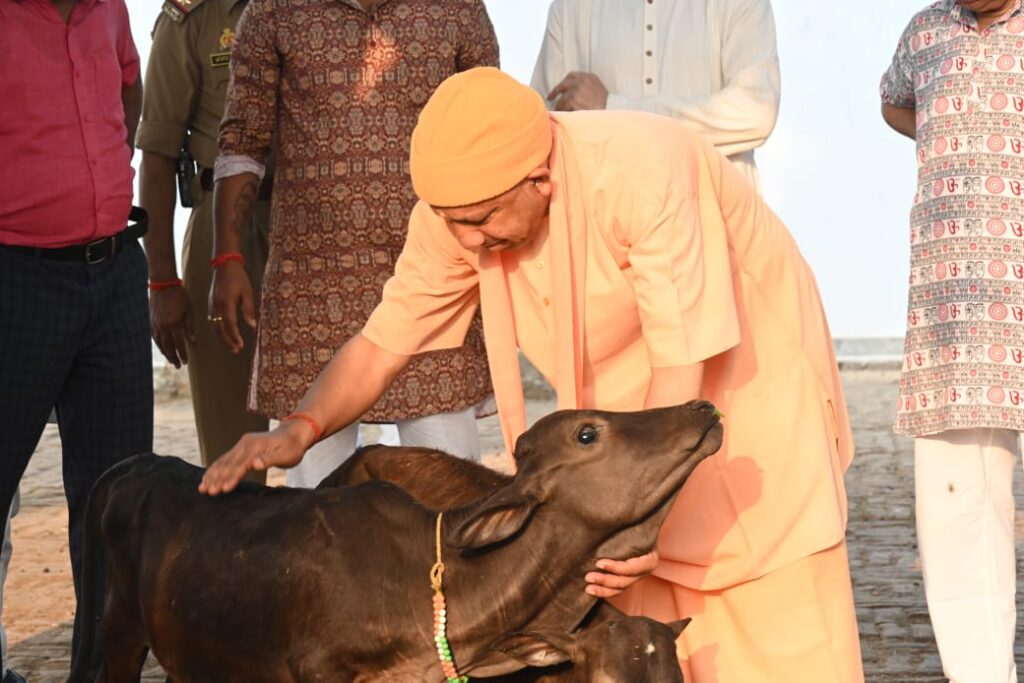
point(76, 337)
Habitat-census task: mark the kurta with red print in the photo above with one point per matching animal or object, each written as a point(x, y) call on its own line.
point(963, 362)
point(342, 87)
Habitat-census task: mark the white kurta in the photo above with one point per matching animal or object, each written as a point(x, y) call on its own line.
point(711, 64)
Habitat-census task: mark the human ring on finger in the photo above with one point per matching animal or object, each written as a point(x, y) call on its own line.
point(215, 318)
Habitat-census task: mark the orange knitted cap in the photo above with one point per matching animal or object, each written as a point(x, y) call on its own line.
point(480, 134)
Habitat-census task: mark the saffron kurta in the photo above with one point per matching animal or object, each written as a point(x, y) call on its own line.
point(676, 260)
point(963, 362)
point(659, 253)
point(342, 89)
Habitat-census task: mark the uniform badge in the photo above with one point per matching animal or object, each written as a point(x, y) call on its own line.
point(223, 58)
point(173, 12)
point(177, 10)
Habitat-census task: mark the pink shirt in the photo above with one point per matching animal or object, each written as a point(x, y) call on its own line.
point(65, 175)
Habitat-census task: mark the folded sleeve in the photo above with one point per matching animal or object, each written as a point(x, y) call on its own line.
point(250, 110)
point(430, 301)
point(678, 248)
point(172, 87)
point(897, 87)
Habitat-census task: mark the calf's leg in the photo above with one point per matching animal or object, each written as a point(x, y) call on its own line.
point(124, 643)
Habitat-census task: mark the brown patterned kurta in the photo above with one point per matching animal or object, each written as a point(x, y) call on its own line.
point(342, 88)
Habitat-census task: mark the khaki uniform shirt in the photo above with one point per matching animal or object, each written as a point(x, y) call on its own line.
point(187, 77)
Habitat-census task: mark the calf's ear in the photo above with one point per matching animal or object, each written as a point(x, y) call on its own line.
point(495, 519)
point(535, 648)
point(678, 626)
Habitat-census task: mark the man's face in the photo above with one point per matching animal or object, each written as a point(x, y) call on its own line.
point(986, 7)
point(508, 221)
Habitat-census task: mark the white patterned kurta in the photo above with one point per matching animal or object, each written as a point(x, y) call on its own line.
point(964, 353)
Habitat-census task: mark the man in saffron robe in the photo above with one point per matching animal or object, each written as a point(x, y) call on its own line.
point(636, 268)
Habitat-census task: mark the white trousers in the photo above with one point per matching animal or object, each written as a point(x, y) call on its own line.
point(454, 433)
point(965, 517)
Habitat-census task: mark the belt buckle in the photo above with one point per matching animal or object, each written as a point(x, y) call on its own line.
point(93, 260)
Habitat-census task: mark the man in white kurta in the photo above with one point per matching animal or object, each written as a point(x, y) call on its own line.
point(711, 64)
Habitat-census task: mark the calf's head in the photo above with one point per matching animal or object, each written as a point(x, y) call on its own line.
point(610, 471)
point(623, 650)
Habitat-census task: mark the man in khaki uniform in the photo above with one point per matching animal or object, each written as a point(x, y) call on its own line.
point(186, 83)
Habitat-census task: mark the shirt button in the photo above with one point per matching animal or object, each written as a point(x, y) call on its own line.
point(650, 27)
point(540, 264)
point(649, 53)
point(649, 81)
point(547, 301)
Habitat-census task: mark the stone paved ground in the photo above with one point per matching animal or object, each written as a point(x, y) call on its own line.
point(895, 633)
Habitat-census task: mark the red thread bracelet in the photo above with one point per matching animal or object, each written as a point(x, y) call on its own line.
point(317, 431)
point(228, 256)
point(155, 285)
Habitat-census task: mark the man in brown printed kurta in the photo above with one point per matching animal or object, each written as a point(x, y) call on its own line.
point(340, 83)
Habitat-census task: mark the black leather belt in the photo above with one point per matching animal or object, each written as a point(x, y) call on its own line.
point(264, 194)
point(96, 251)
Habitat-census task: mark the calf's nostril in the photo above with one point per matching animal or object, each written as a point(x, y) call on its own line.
point(702, 405)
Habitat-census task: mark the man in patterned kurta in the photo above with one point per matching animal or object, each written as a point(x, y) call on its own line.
point(341, 83)
point(956, 85)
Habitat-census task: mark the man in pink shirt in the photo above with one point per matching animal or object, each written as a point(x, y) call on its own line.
point(636, 268)
point(74, 325)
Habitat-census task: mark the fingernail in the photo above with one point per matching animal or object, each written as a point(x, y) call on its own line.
point(601, 564)
point(591, 590)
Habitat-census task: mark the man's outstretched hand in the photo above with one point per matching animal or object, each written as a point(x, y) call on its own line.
point(282, 447)
point(615, 576)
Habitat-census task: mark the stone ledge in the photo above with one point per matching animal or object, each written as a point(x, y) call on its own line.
point(856, 364)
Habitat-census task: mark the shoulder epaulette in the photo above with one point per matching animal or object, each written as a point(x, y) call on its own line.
point(177, 10)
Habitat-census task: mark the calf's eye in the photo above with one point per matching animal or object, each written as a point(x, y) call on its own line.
point(587, 435)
